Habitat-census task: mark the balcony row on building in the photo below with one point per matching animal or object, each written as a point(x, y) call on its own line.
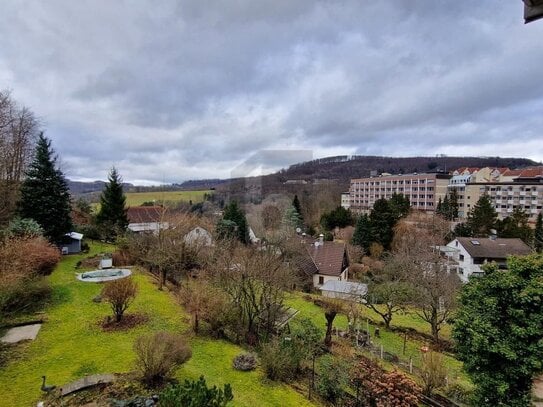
point(507, 189)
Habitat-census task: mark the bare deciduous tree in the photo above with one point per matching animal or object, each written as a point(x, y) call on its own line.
point(389, 290)
point(169, 250)
point(19, 129)
point(255, 280)
point(332, 307)
point(416, 242)
point(120, 294)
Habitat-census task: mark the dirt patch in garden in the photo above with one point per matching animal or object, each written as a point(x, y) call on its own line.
point(129, 321)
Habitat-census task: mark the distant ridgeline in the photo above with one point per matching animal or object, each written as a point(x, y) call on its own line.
point(337, 170)
point(347, 167)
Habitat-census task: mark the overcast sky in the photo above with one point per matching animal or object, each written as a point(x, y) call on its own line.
point(175, 90)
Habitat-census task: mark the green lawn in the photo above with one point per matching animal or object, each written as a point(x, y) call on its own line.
point(71, 345)
point(392, 342)
point(409, 319)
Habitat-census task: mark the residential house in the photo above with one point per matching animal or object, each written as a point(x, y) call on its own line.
point(322, 261)
point(470, 253)
point(146, 219)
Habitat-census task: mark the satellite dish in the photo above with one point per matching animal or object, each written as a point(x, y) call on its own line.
point(298, 230)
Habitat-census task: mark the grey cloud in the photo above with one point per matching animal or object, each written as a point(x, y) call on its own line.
point(192, 89)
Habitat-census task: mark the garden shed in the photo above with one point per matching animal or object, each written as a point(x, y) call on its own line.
point(71, 243)
point(345, 290)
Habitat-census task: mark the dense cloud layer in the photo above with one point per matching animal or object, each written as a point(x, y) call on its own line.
point(193, 89)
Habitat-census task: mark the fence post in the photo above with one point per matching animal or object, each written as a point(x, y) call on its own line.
point(411, 364)
point(381, 351)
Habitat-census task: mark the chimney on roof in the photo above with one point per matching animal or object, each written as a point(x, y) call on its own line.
point(321, 239)
point(493, 234)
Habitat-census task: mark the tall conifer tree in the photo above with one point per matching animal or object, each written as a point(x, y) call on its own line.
point(44, 193)
point(233, 213)
point(112, 218)
point(482, 218)
point(298, 207)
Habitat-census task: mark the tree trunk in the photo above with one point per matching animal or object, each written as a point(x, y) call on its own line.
point(196, 323)
point(330, 316)
point(387, 319)
point(435, 326)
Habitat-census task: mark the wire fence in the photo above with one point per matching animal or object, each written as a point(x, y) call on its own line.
point(364, 341)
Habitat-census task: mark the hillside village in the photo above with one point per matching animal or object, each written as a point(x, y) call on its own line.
point(271, 204)
point(414, 279)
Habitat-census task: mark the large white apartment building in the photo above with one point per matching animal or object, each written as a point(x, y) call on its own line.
point(423, 190)
point(507, 189)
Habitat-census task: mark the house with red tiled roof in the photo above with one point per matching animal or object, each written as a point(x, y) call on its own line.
point(322, 261)
point(146, 219)
point(531, 174)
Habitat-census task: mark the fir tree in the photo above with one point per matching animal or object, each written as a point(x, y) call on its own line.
point(482, 218)
point(112, 218)
point(399, 205)
point(298, 207)
point(382, 220)
point(538, 233)
point(291, 218)
point(439, 207)
point(453, 204)
point(233, 213)
point(363, 234)
point(44, 194)
point(446, 207)
point(516, 226)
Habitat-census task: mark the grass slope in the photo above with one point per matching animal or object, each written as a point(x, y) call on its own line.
point(392, 342)
point(137, 198)
point(71, 345)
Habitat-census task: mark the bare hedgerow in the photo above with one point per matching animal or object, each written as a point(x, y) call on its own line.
point(158, 354)
point(119, 294)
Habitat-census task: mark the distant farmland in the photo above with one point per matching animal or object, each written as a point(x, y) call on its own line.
point(137, 198)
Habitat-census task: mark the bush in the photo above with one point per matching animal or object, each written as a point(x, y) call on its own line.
point(23, 258)
point(40, 255)
point(277, 360)
point(158, 354)
point(245, 362)
point(433, 372)
point(24, 295)
point(24, 228)
point(381, 388)
point(119, 294)
point(332, 378)
point(22, 261)
point(195, 394)
point(460, 393)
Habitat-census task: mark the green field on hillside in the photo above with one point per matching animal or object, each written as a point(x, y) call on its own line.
point(137, 198)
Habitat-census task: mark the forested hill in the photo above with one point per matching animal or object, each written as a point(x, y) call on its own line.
point(347, 167)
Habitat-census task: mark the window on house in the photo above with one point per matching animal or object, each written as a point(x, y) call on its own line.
point(461, 257)
point(321, 280)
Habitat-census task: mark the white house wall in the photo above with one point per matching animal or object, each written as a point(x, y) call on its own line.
point(465, 267)
point(342, 277)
